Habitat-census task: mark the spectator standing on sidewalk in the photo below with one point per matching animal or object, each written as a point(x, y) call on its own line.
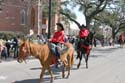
point(3, 51)
point(43, 36)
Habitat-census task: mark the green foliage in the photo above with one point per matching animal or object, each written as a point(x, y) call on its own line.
point(89, 8)
point(54, 8)
point(1, 5)
point(6, 36)
point(99, 36)
point(113, 17)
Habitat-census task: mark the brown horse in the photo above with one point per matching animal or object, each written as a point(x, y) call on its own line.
point(43, 53)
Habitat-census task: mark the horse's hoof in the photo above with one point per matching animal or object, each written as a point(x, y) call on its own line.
point(41, 81)
point(77, 57)
point(63, 76)
point(78, 66)
point(52, 81)
point(67, 77)
point(86, 66)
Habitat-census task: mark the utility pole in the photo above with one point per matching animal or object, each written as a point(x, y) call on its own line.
point(28, 16)
point(39, 16)
point(49, 19)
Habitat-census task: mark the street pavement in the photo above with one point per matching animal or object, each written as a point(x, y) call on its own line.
point(106, 65)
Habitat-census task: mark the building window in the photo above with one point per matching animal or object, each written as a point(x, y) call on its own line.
point(22, 17)
point(22, 0)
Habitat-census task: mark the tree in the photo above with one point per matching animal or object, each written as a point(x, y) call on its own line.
point(54, 9)
point(90, 8)
point(113, 17)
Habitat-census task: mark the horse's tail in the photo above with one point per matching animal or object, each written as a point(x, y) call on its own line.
point(72, 59)
point(71, 53)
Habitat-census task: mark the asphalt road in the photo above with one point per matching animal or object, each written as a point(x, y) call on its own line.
point(106, 65)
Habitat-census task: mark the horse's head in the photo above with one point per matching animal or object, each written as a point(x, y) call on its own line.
point(23, 51)
point(90, 38)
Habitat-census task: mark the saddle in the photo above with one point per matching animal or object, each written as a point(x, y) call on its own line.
point(84, 43)
point(62, 49)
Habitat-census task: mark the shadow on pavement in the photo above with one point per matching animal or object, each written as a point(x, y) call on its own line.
point(96, 56)
point(38, 68)
point(45, 80)
point(53, 68)
point(28, 81)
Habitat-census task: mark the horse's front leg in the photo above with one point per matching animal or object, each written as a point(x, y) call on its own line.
point(86, 60)
point(78, 54)
point(42, 73)
point(50, 72)
point(69, 66)
point(80, 58)
point(63, 70)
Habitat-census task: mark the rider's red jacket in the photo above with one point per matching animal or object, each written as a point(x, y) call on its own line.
point(83, 33)
point(58, 37)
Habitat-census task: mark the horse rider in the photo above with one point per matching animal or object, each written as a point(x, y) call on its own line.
point(83, 34)
point(3, 51)
point(58, 39)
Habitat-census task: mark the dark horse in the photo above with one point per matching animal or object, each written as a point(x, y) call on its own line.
point(84, 49)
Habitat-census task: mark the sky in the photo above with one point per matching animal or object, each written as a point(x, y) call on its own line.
point(80, 19)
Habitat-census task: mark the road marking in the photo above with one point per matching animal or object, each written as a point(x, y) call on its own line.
point(3, 77)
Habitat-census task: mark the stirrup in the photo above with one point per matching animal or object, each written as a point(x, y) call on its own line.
point(58, 61)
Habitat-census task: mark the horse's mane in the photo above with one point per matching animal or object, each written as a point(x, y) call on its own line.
point(90, 37)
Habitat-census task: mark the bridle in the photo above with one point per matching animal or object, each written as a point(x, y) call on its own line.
point(28, 50)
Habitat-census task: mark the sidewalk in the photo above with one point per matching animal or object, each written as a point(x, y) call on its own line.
point(106, 47)
point(98, 47)
point(10, 59)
